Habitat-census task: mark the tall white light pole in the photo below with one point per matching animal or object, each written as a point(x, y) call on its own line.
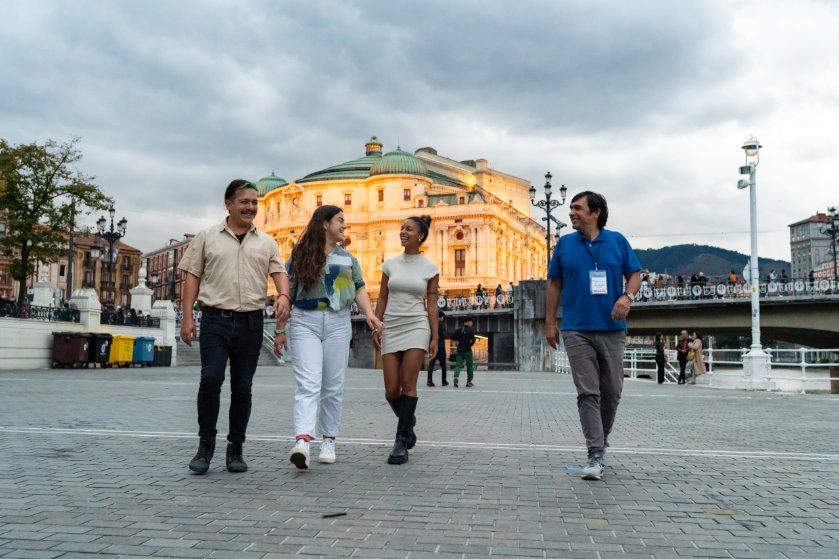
point(756, 361)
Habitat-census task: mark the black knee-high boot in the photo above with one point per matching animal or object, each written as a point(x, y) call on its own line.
point(396, 405)
point(399, 454)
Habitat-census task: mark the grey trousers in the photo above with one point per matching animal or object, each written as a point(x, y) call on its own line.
point(596, 360)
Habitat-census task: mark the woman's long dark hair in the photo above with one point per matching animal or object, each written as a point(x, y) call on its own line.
point(308, 256)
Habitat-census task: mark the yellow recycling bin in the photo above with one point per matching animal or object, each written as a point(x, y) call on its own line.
point(122, 351)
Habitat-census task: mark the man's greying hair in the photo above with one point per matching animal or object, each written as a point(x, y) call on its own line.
point(235, 186)
point(595, 201)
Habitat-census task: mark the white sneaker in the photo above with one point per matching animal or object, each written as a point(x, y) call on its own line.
point(300, 454)
point(327, 451)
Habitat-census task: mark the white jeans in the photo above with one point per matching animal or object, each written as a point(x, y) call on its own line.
point(320, 347)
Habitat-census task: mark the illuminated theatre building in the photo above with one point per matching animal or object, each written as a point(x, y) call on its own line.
point(482, 231)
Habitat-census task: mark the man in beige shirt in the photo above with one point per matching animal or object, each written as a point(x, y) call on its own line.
point(227, 268)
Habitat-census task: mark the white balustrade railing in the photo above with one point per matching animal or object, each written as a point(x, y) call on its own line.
point(801, 367)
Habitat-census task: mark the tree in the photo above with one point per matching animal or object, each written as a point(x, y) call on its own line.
point(41, 186)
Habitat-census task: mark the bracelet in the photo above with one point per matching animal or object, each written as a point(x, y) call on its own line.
point(286, 295)
point(278, 332)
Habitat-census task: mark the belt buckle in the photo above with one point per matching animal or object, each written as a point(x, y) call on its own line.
point(226, 314)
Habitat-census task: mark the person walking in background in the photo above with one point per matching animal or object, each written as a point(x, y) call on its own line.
point(660, 356)
point(325, 281)
point(465, 338)
point(479, 297)
point(682, 354)
point(588, 270)
point(510, 294)
point(697, 359)
point(408, 307)
point(441, 351)
point(499, 296)
point(226, 269)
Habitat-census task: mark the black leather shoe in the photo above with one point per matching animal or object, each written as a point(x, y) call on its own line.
point(235, 464)
point(201, 462)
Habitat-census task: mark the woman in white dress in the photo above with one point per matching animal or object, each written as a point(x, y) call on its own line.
point(408, 307)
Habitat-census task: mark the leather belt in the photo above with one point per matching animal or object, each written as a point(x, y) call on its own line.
point(229, 314)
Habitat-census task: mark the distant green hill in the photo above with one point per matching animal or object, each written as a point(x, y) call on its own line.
point(713, 261)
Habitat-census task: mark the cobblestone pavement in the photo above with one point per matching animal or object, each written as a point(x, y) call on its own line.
point(94, 463)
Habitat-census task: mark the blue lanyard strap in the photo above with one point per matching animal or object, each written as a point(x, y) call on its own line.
point(588, 244)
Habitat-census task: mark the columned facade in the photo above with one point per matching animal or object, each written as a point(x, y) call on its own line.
point(482, 230)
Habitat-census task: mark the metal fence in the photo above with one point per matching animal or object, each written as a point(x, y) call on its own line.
point(803, 365)
point(35, 312)
point(117, 318)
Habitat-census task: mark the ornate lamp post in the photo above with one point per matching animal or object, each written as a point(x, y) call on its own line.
point(154, 278)
point(756, 361)
point(832, 231)
point(111, 236)
point(548, 205)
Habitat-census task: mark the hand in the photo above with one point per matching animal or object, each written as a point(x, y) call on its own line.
point(621, 308)
point(374, 323)
point(281, 308)
point(551, 335)
point(187, 330)
point(433, 346)
point(280, 344)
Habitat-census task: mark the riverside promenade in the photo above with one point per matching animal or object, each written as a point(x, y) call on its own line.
point(94, 463)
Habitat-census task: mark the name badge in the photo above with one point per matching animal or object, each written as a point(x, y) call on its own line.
point(599, 286)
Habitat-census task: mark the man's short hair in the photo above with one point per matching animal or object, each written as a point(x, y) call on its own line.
point(235, 186)
point(468, 319)
point(595, 201)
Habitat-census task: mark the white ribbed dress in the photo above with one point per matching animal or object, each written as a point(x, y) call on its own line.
point(406, 319)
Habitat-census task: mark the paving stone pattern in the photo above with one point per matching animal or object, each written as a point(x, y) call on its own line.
point(94, 463)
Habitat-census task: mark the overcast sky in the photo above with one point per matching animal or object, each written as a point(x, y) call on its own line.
point(647, 102)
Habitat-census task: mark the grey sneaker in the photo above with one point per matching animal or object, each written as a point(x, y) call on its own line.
point(593, 470)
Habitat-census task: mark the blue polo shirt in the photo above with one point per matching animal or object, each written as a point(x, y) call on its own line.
point(574, 257)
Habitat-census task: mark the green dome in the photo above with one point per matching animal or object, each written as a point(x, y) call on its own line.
point(355, 169)
point(399, 163)
point(267, 184)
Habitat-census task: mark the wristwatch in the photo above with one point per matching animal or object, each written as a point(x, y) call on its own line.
point(631, 296)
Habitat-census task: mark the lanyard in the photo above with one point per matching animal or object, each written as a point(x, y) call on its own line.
point(588, 249)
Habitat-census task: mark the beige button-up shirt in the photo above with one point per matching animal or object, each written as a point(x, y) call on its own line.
point(234, 276)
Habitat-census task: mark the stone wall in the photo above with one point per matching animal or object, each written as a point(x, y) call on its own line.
point(27, 343)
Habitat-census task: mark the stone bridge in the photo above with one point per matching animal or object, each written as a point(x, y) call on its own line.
point(516, 333)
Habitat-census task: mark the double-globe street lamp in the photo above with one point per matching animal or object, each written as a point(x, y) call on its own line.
point(832, 231)
point(756, 361)
point(111, 236)
point(548, 204)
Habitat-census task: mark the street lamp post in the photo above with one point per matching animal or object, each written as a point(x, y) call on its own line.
point(756, 361)
point(833, 232)
point(111, 235)
point(548, 205)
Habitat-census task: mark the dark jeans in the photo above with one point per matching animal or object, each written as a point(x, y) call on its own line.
point(682, 365)
point(439, 358)
point(239, 339)
point(659, 361)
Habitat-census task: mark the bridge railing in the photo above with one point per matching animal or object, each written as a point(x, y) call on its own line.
point(814, 370)
point(736, 290)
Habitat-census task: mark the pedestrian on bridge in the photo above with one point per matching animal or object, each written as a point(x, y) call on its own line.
point(326, 280)
point(587, 271)
point(226, 269)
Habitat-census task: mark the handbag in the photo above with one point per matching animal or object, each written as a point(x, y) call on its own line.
point(691, 355)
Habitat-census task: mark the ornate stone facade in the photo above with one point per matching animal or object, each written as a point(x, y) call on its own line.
point(482, 230)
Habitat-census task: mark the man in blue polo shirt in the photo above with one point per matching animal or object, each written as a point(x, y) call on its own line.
point(587, 270)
